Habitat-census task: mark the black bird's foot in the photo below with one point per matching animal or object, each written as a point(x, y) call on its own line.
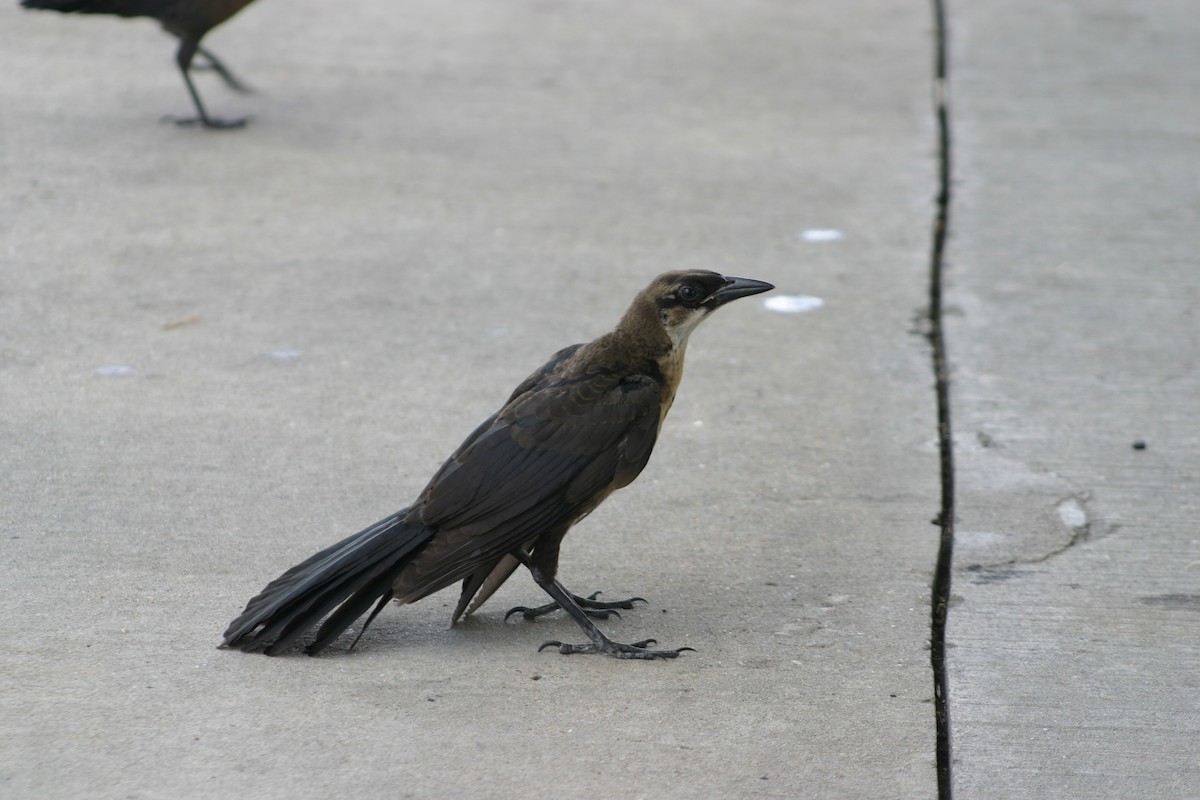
point(214, 65)
point(597, 609)
point(213, 123)
point(617, 650)
point(230, 80)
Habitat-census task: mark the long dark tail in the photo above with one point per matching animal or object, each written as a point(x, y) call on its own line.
point(66, 6)
point(349, 576)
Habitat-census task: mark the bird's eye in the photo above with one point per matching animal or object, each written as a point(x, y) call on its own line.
point(688, 294)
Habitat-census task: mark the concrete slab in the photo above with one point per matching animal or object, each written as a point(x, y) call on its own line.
point(223, 351)
point(1073, 277)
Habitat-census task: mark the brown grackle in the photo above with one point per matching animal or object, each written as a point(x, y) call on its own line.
point(578, 428)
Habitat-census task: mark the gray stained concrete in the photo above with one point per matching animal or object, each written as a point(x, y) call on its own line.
point(220, 352)
point(1074, 282)
point(299, 320)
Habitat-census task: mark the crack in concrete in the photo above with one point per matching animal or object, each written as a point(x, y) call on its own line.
point(1174, 602)
point(995, 573)
point(1073, 511)
point(1075, 514)
point(943, 569)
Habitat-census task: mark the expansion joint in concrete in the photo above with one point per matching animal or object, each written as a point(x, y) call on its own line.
point(943, 569)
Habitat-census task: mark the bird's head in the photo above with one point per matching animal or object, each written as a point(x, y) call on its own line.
point(682, 300)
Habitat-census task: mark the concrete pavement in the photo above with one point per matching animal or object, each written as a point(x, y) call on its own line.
point(220, 352)
point(224, 351)
point(1073, 275)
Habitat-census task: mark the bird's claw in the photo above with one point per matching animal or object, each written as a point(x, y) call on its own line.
point(522, 610)
point(214, 123)
point(640, 650)
point(626, 604)
point(596, 609)
point(533, 613)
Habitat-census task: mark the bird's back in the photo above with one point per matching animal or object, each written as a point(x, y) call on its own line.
point(180, 17)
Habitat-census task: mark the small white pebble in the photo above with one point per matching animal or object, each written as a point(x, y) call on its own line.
point(1072, 514)
point(822, 235)
point(792, 303)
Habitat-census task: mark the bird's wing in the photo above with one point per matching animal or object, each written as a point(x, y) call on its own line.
point(530, 384)
point(567, 441)
point(541, 462)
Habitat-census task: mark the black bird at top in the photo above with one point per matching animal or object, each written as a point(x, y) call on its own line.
point(189, 20)
point(578, 428)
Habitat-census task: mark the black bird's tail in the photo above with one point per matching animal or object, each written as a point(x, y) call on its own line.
point(349, 576)
point(65, 6)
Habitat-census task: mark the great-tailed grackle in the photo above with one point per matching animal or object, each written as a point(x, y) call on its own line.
point(189, 20)
point(575, 430)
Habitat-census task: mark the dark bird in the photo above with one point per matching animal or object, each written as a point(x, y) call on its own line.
point(189, 20)
point(578, 428)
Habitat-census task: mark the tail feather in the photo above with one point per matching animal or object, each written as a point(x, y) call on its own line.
point(120, 8)
point(353, 573)
point(379, 589)
point(65, 6)
point(351, 596)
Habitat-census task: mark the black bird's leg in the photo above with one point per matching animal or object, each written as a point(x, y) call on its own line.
point(596, 609)
point(600, 643)
point(187, 50)
point(216, 66)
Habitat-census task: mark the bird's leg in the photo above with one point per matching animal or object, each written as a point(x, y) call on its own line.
point(187, 50)
point(545, 556)
point(216, 66)
point(600, 643)
point(597, 609)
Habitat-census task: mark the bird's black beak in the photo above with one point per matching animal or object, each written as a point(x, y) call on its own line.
point(735, 288)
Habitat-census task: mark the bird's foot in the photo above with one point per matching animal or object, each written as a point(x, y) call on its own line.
point(617, 650)
point(212, 123)
point(228, 77)
point(597, 609)
point(214, 65)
